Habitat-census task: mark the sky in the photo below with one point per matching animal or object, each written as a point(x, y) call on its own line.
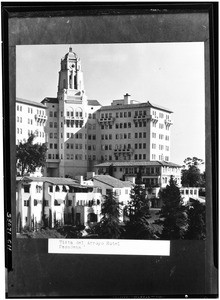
point(167, 74)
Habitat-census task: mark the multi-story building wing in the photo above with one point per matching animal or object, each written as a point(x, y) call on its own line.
point(134, 131)
point(30, 118)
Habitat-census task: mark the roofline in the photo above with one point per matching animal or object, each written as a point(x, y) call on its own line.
point(131, 106)
point(103, 182)
point(30, 102)
point(123, 163)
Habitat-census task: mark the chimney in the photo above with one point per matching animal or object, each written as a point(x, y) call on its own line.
point(79, 178)
point(127, 98)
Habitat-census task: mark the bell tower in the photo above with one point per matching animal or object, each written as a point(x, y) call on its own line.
point(70, 83)
point(73, 117)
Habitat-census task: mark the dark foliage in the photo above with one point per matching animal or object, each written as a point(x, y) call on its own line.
point(138, 227)
point(191, 175)
point(109, 226)
point(30, 156)
point(196, 221)
point(173, 216)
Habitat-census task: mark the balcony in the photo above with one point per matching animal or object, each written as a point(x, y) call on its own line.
point(106, 120)
point(123, 151)
point(73, 118)
point(141, 118)
point(40, 118)
point(154, 118)
point(168, 122)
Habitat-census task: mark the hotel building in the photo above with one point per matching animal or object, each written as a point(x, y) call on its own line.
point(82, 135)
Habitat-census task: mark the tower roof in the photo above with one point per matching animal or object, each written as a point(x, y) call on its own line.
point(71, 54)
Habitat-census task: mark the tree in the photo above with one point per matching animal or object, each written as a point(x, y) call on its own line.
point(191, 175)
point(194, 161)
point(173, 217)
point(109, 226)
point(30, 156)
point(138, 226)
point(196, 220)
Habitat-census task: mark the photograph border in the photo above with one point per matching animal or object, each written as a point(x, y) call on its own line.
point(40, 23)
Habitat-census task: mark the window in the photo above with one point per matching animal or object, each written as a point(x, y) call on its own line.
point(129, 114)
point(161, 126)
point(153, 156)
point(125, 125)
point(140, 146)
point(136, 135)
point(38, 189)
point(55, 146)
point(55, 124)
point(129, 135)
point(135, 156)
point(49, 156)
point(26, 202)
point(153, 146)
point(140, 134)
point(51, 114)
point(129, 125)
point(135, 146)
point(121, 114)
point(55, 114)
point(26, 188)
point(153, 135)
point(51, 124)
point(51, 135)
point(144, 145)
point(55, 135)
point(51, 146)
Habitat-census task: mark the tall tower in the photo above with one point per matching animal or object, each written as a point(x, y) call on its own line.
point(70, 77)
point(72, 117)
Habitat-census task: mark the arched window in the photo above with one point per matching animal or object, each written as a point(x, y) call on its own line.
point(79, 112)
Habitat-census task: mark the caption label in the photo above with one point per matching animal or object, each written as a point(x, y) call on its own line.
point(109, 246)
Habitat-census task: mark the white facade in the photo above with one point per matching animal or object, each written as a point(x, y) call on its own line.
point(52, 201)
point(30, 118)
